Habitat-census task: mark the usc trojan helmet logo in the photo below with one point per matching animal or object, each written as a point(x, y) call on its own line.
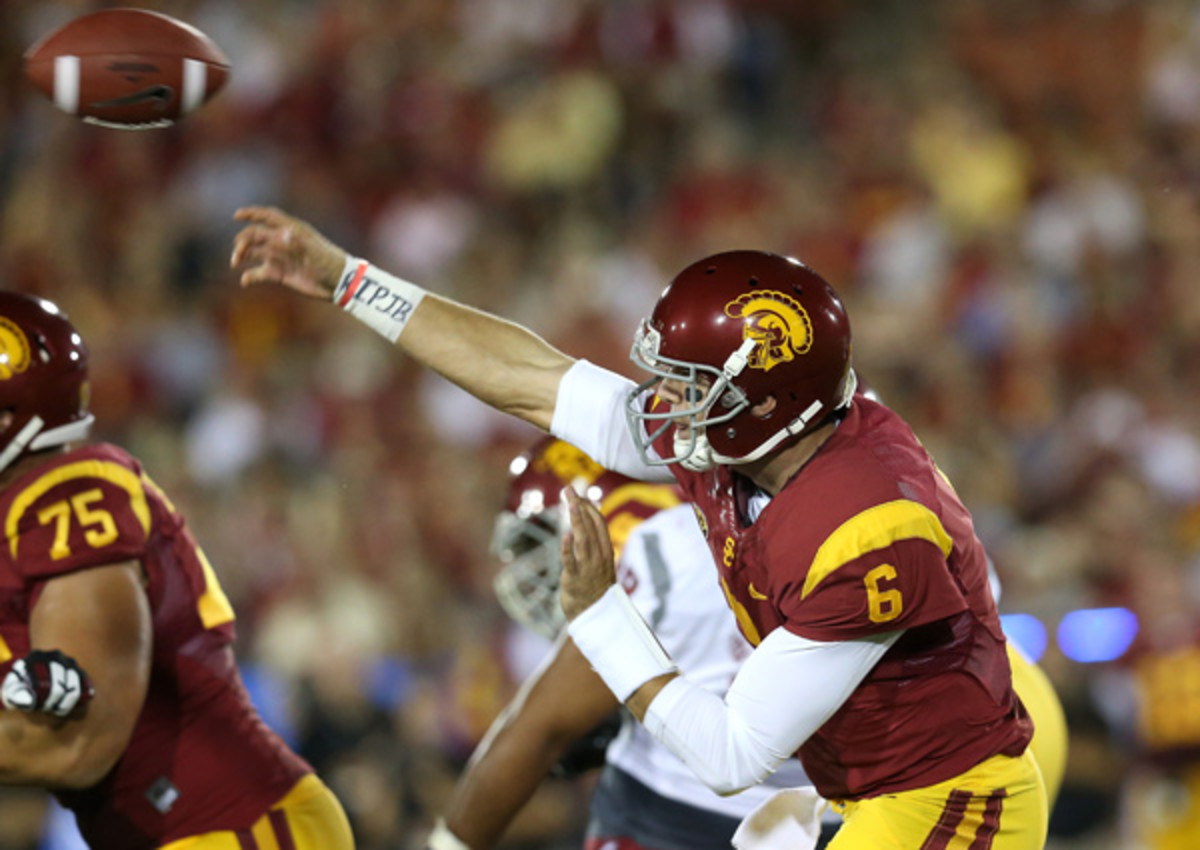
point(14, 349)
point(777, 322)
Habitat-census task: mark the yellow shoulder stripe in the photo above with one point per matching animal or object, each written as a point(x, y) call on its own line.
point(654, 495)
point(105, 470)
point(876, 528)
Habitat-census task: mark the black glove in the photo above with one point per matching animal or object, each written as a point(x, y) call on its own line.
point(588, 752)
point(46, 681)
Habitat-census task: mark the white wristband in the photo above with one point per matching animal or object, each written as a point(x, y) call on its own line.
point(621, 648)
point(381, 301)
point(443, 839)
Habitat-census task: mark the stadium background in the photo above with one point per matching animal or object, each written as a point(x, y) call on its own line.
point(1006, 194)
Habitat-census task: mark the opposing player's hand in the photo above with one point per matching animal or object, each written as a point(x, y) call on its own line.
point(587, 556)
point(46, 681)
point(275, 247)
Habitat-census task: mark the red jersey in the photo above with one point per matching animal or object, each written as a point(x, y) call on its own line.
point(869, 537)
point(200, 759)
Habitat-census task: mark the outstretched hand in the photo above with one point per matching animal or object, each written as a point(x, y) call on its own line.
point(278, 248)
point(587, 556)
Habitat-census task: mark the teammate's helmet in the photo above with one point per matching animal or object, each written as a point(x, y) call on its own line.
point(735, 328)
point(43, 377)
point(528, 532)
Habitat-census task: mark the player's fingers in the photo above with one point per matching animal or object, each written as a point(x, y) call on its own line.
point(581, 530)
point(73, 691)
point(253, 241)
point(18, 695)
point(569, 567)
point(599, 528)
point(58, 688)
point(17, 691)
point(571, 499)
point(265, 215)
point(591, 531)
point(262, 273)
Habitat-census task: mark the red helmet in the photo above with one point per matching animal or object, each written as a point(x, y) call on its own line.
point(43, 377)
point(735, 328)
point(528, 532)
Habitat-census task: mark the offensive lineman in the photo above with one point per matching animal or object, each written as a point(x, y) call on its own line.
point(846, 557)
point(99, 573)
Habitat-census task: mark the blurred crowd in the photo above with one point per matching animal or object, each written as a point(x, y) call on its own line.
point(1007, 195)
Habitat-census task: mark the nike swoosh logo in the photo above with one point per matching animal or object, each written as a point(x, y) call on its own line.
point(161, 93)
point(754, 594)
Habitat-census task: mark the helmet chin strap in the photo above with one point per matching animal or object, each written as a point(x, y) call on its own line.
point(707, 455)
point(67, 433)
point(20, 442)
point(32, 437)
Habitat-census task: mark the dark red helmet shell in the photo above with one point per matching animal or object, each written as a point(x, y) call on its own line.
point(43, 376)
point(803, 351)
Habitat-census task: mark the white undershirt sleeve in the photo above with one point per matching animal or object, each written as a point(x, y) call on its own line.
point(589, 413)
point(786, 690)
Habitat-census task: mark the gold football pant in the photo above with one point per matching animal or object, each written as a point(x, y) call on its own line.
point(309, 817)
point(999, 804)
point(1049, 745)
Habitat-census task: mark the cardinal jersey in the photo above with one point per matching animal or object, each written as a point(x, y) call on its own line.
point(868, 537)
point(200, 758)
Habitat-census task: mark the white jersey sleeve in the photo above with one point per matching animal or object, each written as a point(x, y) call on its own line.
point(786, 690)
point(589, 413)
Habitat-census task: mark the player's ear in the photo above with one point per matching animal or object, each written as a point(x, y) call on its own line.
point(6, 418)
point(764, 408)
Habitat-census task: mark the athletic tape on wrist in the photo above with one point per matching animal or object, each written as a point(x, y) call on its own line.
point(381, 301)
point(443, 839)
point(621, 648)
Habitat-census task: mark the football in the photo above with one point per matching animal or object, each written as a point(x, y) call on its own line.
point(127, 68)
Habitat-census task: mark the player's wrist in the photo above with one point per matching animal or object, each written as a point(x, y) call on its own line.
point(616, 641)
point(380, 300)
point(443, 839)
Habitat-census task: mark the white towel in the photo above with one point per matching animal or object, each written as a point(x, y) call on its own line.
point(788, 820)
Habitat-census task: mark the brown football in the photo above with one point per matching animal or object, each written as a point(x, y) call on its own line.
point(129, 68)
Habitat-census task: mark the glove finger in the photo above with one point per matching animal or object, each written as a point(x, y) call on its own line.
point(17, 696)
point(17, 691)
point(58, 687)
point(68, 696)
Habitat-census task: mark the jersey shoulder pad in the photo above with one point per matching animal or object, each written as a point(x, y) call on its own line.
point(884, 568)
point(88, 507)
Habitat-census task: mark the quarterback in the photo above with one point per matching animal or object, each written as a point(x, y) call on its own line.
point(645, 798)
point(121, 691)
point(848, 560)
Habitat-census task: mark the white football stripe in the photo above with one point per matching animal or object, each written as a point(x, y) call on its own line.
point(195, 83)
point(66, 83)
